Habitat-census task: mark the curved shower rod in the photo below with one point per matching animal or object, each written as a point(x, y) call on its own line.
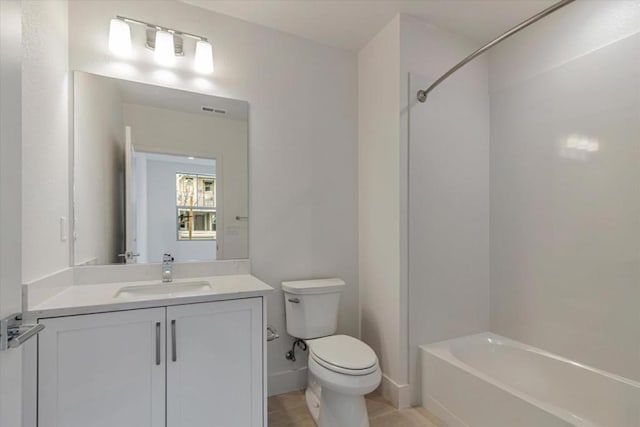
point(422, 94)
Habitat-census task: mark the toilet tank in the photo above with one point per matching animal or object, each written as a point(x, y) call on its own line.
point(312, 307)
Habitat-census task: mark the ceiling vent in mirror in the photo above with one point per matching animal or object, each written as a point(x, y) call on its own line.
point(213, 110)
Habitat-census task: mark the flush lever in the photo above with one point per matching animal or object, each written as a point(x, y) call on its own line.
point(294, 300)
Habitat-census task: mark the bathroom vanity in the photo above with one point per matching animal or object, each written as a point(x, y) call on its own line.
point(130, 339)
point(147, 353)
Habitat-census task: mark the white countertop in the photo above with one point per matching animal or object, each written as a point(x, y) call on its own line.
point(96, 298)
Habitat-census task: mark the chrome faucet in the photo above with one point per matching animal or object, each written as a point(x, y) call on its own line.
point(167, 265)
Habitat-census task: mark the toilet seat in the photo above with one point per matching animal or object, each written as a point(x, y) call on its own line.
point(344, 355)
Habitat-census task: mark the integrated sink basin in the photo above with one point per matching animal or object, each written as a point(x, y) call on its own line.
point(171, 288)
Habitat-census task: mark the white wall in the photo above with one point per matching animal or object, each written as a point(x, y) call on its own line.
point(10, 203)
point(424, 202)
point(302, 141)
point(167, 131)
point(565, 236)
point(98, 170)
point(379, 204)
point(45, 138)
point(161, 213)
point(448, 139)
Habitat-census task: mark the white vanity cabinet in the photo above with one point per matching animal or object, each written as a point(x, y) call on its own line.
point(101, 370)
point(214, 364)
point(197, 364)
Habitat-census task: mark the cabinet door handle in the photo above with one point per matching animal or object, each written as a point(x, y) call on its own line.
point(174, 354)
point(157, 343)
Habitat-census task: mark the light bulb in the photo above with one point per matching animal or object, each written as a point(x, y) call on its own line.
point(119, 37)
point(164, 51)
point(204, 57)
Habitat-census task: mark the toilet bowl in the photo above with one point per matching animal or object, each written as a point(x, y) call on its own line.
point(342, 369)
point(346, 369)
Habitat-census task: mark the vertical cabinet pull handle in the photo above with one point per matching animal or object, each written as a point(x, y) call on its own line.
point(157, 343)
point(174, 354)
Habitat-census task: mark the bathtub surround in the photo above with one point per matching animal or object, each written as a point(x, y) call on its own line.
point(564, 221)
point(559, 242)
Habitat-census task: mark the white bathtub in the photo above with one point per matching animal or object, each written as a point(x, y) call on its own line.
point(486, 380)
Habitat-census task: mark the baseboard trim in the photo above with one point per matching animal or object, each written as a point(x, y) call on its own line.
point(296, 379)
point(398, 394)
point(286, 381)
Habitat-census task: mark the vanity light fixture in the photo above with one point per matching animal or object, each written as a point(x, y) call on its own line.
point(204, 57)
point(119, 37)
point(164, 50)
point(167, 43)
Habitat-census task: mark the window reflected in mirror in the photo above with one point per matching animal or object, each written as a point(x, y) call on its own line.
point(196, 206)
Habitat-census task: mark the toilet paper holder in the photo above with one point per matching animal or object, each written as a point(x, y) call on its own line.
point(272, 333)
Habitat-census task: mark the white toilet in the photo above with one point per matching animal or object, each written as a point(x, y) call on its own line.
point(342, 369)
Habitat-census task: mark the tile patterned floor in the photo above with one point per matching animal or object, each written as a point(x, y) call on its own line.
point(290, 410)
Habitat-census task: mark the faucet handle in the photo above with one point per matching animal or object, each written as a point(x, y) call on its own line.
point(167, 258)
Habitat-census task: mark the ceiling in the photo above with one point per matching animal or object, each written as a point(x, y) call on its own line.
point(350, 24)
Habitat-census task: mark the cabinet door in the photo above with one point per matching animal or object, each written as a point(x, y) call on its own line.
point(214, 364)
point(103, 370)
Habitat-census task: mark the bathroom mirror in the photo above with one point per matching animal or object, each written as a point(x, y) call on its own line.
point(157, 170)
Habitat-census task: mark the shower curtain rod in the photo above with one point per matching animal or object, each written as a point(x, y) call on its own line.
point(422, 94)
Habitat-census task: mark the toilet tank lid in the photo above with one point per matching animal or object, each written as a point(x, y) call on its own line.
point(313, 286)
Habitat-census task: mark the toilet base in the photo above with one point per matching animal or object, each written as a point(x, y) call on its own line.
point(342, 410)
point(313, 403)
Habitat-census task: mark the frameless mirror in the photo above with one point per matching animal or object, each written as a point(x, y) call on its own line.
point(157, 170)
